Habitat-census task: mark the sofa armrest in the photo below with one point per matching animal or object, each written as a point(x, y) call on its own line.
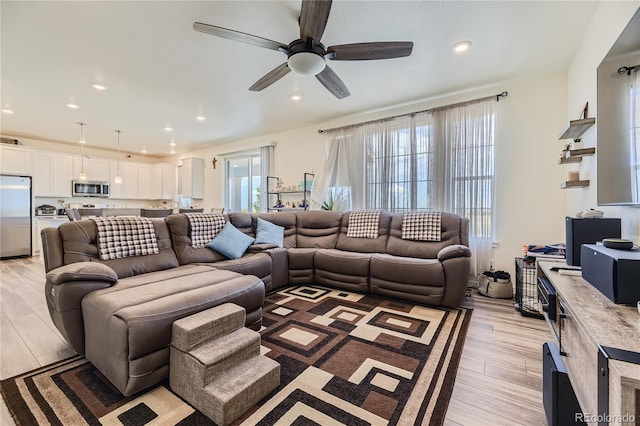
point(64, 289)
point(259, 248)
point(82, 271)
point(452, 251)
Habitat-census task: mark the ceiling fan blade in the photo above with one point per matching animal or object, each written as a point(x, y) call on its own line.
point(238, 36)
point(313, 18)
point(271, 77)
point(367, 51)
point(332, 82)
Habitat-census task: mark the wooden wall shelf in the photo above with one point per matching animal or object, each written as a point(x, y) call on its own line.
point(574, 184)
point(576, 128)
point(575, 155)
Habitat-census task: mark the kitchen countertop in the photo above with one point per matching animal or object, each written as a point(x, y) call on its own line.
point(57, 217)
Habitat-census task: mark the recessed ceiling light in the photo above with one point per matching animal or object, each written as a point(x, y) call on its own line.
point(200, 117)
point(99, 86)
point(7, 111)
point(173, 151)
point(172, 143)
point(295, 97)
point(144, 150)
point(461, 47)
point(168, 128)
point(72, 105)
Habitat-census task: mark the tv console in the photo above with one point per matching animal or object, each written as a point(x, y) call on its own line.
point(600, 344)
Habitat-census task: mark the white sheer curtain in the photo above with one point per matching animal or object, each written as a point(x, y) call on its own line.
point(466, 135)
point(634, 90)
point(341, 183)
point(442, 159)
point(266, 168)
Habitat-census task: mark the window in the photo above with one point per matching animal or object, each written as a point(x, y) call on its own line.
point(441, 159)
point(399, 172)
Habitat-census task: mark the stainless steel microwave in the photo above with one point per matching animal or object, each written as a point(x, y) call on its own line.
point(87, 188)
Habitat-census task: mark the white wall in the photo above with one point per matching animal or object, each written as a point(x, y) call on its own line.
point(530, 203)
point(607, 24)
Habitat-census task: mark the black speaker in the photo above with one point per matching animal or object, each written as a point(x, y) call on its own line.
point(588, 231)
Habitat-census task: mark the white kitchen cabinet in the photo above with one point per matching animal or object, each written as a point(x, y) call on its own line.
point(128, 188)
point(129, 173)
point(53, 175)
point(97, 169)
point(46, 222)
point(168, 172)
point(15, 160)
point(149, 182)
point(115, 189)
point(193, 178)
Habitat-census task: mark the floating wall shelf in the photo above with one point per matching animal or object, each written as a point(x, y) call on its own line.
point(574, 184)
point(576, 128)
point(575, 155)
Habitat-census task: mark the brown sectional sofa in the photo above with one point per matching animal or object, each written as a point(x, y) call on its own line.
point(118, 313)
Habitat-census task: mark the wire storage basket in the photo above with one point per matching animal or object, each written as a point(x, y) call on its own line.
point(527, 288)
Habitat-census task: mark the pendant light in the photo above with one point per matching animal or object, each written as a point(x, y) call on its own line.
point(118, 178)
point(83, 175)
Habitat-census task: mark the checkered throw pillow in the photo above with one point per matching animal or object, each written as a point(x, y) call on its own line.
point(363, 224)
point(422, 226)
point(121, 236)
point(204, 226)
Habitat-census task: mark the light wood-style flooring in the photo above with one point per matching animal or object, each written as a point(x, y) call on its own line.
point(499, 381)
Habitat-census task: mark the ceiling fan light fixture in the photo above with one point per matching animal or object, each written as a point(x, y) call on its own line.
point(306, 63)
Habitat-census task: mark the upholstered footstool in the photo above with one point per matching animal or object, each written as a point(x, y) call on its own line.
point(216, 365)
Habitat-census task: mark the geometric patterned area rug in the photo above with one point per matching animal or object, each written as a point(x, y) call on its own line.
point(346, 358)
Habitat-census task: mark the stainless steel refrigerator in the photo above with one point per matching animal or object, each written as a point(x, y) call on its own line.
point(15, 216)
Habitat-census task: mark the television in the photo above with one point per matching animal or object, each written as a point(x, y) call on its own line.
point(618, 120)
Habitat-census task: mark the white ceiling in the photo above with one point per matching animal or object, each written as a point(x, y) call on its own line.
point(158, 70)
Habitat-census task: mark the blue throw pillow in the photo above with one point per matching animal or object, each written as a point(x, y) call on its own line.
point(230, 241)
point(269, 233)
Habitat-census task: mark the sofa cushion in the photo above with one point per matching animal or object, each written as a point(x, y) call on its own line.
point(79, 243)
point(179, 228)
point(408, 278)
point(231, 242)
point(258, 264)
point(318, 229)
point(364, 245)
point(269, 233)
point(340, 269)
point(451, 233)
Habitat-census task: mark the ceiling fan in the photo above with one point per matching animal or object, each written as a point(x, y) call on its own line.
point(307, 56)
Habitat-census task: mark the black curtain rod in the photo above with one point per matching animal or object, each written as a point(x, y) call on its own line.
point(627, 70)
point(498, 96)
